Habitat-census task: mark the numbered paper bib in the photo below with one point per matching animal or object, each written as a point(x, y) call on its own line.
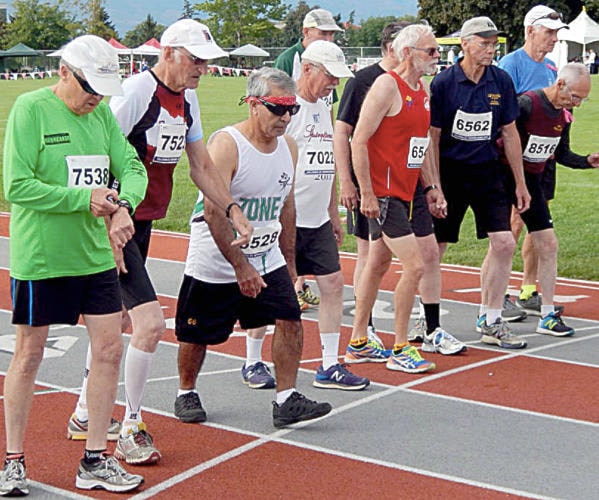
point(539, 148)
point(263, 239)
point(472, 127)
point(418, 146)
point(320, 162)
point(170, 143)
point(88, 171)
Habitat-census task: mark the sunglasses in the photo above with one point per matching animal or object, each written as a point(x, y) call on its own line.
point(554, 16)
point(84, 84)
point(431, 51)
point(280, 109)
point(195, 60)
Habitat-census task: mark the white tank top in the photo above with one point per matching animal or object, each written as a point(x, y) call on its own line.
point(261, 185)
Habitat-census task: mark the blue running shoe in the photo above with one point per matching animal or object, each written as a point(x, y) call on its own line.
point(257, 376)
point(480, 321)
point(339, 377)
point(369, 353)
point(409, 360)
point(553, 324)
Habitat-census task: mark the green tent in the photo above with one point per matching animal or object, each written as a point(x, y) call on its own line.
point(19, 50)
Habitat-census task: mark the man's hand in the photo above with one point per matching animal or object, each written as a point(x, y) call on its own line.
point(593, 160)
point(435, 199)
point(522, 199)
point(242, 225)
point(121, 228)
point(102, 202)
point(348, 195)
point(250, 282)
point(369, 206)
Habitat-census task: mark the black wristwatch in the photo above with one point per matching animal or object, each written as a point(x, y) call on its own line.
point(125, 204)
point(429, 188)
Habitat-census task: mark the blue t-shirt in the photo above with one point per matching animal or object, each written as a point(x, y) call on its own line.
point(527, 73)
point(452, 91)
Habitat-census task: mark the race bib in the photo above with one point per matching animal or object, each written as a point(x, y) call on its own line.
point(418, 146)
point(539, 148)
point(88, 171)
point(263, 239)
point(170, 143)
point(319, 163)
point(472, 127)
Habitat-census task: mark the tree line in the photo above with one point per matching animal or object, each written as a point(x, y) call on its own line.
point(43, 25)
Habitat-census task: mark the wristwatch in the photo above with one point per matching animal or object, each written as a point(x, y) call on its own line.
point(125, 204)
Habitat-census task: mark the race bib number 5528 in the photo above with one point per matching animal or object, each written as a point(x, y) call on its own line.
point(88, 171)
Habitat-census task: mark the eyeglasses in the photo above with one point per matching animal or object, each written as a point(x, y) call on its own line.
point(323, 70)
point(486, 45)
point(430, 51)
point(84, 84)
point(280, 109)
point(555, 16)
point(576, 99)
point(195, 60)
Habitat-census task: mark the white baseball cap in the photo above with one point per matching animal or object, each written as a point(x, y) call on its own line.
point(544, 16)
point(193, 36)
point(329, 55)
point(97, 60)
point(321, 19)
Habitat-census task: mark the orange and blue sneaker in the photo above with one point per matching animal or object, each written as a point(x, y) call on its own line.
point(371, 352)
point(409, 360)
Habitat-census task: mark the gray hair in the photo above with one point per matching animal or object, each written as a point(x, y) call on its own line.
point(408, 37)
point(573, 72)
point(261, 81)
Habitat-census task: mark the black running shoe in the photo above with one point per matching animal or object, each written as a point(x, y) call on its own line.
point(188, 408)
point(297, 408)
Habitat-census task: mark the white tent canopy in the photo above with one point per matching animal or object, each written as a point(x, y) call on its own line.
point(583, 30)
point(249, 50)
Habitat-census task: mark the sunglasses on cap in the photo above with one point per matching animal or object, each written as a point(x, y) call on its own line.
point(554, 16)
point(83, 83)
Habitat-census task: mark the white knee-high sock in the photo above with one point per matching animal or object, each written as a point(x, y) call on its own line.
point(330, 349)
point(137, 370)
point(81, 407)
point(253, 350)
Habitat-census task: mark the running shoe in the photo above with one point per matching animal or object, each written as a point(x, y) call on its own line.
point(339, 377)
point(533, 304)
point(369, 353)
point(409, 360)
point(374, 339)
point(297, 408)
point(257, 376)
point(107, 475)
point(480, 321)
point(511, 312)
point(138, 447)
point(302, 304)
point(499, 333)
point(13, 479)
point(553, 324)
point(416, 334)
point(188, 408)
point(308, 296)
point(442, 342)
point(77, 429)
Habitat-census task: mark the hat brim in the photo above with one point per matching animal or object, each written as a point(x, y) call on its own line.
point(483, 34)
point(109, 84)
point(206, 51)
point(324, 27)
point(338, 69)
point(552, 24)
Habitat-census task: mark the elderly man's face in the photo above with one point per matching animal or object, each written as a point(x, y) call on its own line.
point(542, 39)
point(270, 123)
point(189, 69)
point(480, 50)
point(313, 34)
point(425, 54)
point(320, 81)
point(79, 97)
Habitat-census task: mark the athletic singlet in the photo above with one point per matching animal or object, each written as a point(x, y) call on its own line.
point(158, 123)
point(396, 150)
point(261, 185)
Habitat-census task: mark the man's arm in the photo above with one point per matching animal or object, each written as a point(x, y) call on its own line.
point(431, 177)
point(206, 177)
point(513, 153)
point(348, 194)
point(565, 156)
point(287, 220)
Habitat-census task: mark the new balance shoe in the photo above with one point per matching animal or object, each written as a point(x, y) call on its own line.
point(374, 339)
point(416, 333)
point(257, 376)
point(510, 311)
point(13, 479)
point(409, 360)
point(369, 353)
point(442, 342)
point(302, 304)
point(188, 408)
point(553, 324)
point(137, 447)
point(499, 333)
point(297, 408)
point(107, 475)
point(339, 377)
point(77, 429)
point(308, 296)
point(533, 304)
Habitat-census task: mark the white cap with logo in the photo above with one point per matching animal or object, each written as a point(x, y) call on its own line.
point(541, 15)
point(321, 19)
point(97, 60)
point(329, 55)
point(194, 37)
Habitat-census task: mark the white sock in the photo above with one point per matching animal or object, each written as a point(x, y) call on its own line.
point(330, 349)
point(492, 315)
point(482, 310)
point(253, 350)
point(81, 407)
point(182, 392)
point(137, 370)
point(420, 309)
point(546, 309)
point(284, 395)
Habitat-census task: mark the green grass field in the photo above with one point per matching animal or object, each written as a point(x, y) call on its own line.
point(575, 210)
